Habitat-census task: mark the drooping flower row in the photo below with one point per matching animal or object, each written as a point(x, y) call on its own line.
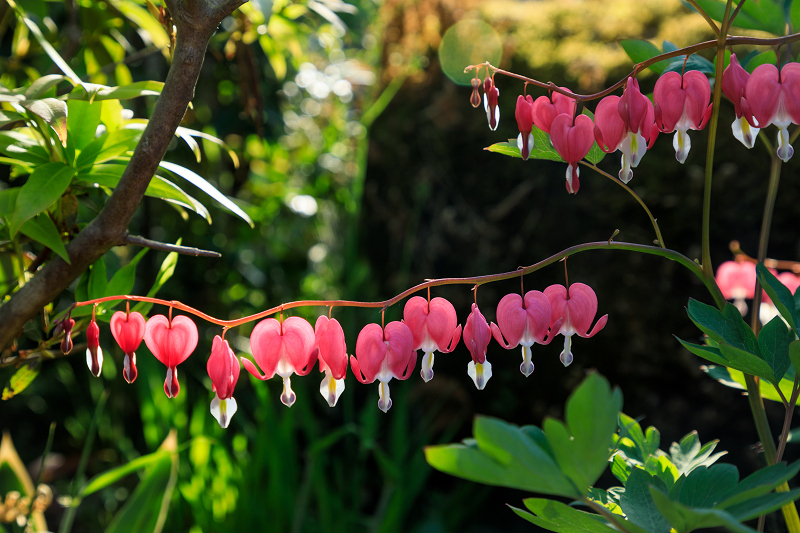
point(292, 346)
point(631, 123)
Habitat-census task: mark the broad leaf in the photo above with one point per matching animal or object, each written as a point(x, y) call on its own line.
point(46, 185)
point(23, 377)
point(638, 505)
point(734, 358)
point(559, 517)
point(763, 505)
point(640, 51)
point(689, 453)
point(53, 111)
point(107, 146)
point(109, 477)
point(685, 519)
point(21, 147)
point(41, 229)
point(727, 326)
point(781, 296)
point(760, 483)
point(706, 487)
point(42, 85)
point(98, 279)
point(82, 122)
point(93, 92)
point(764, 15)
point(730, 377)
point(773, 342)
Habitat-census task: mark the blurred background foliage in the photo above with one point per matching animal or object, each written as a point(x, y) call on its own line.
point(361, 166)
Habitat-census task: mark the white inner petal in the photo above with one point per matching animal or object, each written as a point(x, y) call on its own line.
point(330, 388)
point(223, 410)
point(480, 373)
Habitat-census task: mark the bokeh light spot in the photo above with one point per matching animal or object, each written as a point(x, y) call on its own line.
point(468, 42)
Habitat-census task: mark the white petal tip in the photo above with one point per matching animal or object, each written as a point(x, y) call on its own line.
point(223, 410)
point(427, 367)
point(526, 369)
point(288, 396)
point(480, 373)
point(331, 389)
point(95, 366)
point(385, 400)
point(566, 358)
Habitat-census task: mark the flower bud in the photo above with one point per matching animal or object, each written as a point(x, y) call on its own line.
point(475, 99)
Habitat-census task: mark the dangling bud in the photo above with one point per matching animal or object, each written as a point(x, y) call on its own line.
point(128, 330)
point(490, 96)
point(475, 99)
point(65, 326)
point(94, 354)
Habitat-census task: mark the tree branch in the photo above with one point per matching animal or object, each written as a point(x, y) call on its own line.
point(196, 21)
point(136, 240)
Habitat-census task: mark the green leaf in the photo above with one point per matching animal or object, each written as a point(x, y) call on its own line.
point(752, 17)
point(685, 519)
point(142, 18)
point(582, 445)
point(760, 483)
point(46, 185)
point(164, 273)
point(42, 85)
point(8, 201)
point(82, 122)
point(98, 279)
point(509, 148)
point(727, 326)
point(562, 518)
point(762, 505)
point(123, 279)
point(706, 487)
point(41, 229)
point(773, 342)
point(689, 453)
point(109, 477)
point(638, 505)
point(23, 377)
point(94, 92)
point(764, 58)
point(503, 455)
point(9, 117)
point(747, 362)
point(53, 111)
point(109, 176)
point(781, 296)
point(661, 467)
point(695, 62)
point(21, 147)
point(146, 508)
point(595, 154)
point(794, 355)
point(730, 377)
point(640, 51)
point(107, 146)
point(207, 188)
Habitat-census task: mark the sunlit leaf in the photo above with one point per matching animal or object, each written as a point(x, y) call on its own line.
point(107, 146)
point(41, 229)
point(23, 377)
point(46, 185)
point(207, 188)
point(53, 111)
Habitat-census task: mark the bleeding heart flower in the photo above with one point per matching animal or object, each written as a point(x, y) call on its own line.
point(223, 369)
point(434, 326)
point(737, 281)
point(282, 348)
point(774, 98)
point(524, 322)
point(94, 353)
point(576, 308)
point(626, 124)
point(329, 337)
point(490, 96)
point(477, 335)
point(547, 108)
point(524, 115)
point(65, 326)
point(128, 330)
point(734, 83)
point(681, 104)
point(383, 354)
point(171, 342)
point(572, 140)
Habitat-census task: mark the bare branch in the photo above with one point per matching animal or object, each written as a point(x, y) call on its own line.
point(136, 240)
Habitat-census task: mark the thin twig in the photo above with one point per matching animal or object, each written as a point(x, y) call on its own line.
point(706, 16)
point(137, 240)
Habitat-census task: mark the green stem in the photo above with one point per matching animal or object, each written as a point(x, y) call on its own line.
point(708, 268)
point(659, 238)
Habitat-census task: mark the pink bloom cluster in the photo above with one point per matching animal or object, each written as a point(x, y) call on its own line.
point(737, 282)
point(631, 123)
point(292, 346)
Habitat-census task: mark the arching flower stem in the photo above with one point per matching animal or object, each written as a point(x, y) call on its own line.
point(672, 255)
